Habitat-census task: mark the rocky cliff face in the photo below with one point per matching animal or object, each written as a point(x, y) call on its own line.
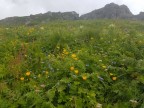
point(110, 11)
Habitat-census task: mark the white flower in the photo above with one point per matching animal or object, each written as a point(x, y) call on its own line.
point(100, 60)
point(42, 85)
point(133, 101)
point(111, 26)
point(81, 27)
point(42, 28)
point(99, 105)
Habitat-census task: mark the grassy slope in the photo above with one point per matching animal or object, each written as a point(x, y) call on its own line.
point(72, 64)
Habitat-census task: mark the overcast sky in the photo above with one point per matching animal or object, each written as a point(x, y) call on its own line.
point(10, 8)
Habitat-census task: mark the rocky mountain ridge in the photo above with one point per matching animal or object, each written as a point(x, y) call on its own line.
point(109, 11)
point(40, 18)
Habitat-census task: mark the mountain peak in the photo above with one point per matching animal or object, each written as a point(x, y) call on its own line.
point(109, 11)
point(111, 5)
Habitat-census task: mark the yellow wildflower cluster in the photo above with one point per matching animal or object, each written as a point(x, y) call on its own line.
point(28, 73)
point(114, 78)
point(39, 75)
point(103, 66)
point(111, 74)
point(65, 52)
point(72, 68)
point(30, 31)
point(74, 56)
point(22, 78)
point(46, 72)
point(84, 77)
point(76, 71)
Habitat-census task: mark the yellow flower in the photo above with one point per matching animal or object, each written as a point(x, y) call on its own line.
point(39, 75)
point(75, 58)
point(104, 66)
point(27, 73)
point(84, 77)
point(35, 86)
point(73, 55)
point(58, 47)
point(72, 68)
point(66, 53)
point(22, 78)
point(114, 78)
point(46, 72)
point(76, 71)
point(111, 74)
point(64, 50)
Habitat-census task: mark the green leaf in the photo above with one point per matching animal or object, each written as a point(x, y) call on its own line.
point(51, 94)
point(78, 103)
point(76, 83)
point(61, 88)
point(65, 80)
point(60, 106)
point(82, 90)
point(47, 105)
point(92, 93)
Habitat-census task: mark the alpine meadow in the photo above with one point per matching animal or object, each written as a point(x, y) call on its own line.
point(83, 63)
point(73, 64)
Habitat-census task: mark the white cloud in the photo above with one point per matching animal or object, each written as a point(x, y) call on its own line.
point(10, 8)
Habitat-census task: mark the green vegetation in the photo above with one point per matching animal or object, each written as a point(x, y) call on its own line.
point(73, 64)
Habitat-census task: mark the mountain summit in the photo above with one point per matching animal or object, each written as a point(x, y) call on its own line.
point(110, 11)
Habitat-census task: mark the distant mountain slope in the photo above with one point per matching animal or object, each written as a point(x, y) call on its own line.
point(110, 11)
point(140, 16)
point(41, 18)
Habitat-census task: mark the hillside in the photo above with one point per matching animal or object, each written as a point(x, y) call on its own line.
point(73, 64)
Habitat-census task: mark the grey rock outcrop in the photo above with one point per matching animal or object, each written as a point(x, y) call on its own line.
point(110, 11)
